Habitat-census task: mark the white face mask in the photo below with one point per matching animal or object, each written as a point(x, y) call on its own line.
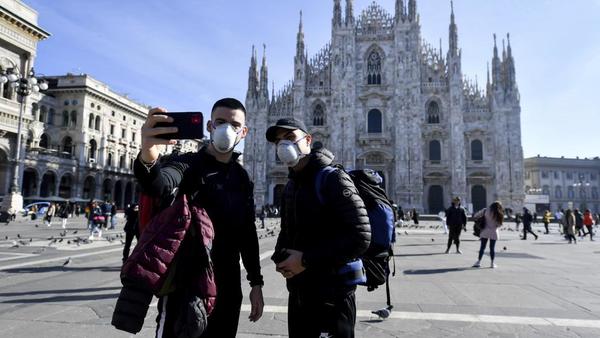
point(224, 137)
point(289, 153)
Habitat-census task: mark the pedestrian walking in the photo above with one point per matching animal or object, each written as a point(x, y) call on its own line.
point(97, 220)
point(558, 216)
point(569, 226)
point(63, 213)
point(400, 216)
point(589, 223)
point(77, 210)
point(317, 241)
point(579, 223)
point(415, 216)
point(456, 219)
point(493, 219)
point(518, 219)
point(113, 215)
point(131, 228)
point(262, 216)
point(546, 220)
point(527, 219)
point(49, 214)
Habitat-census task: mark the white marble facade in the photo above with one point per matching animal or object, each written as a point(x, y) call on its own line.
point(378, 96)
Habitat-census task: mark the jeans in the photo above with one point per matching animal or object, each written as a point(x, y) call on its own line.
point(492, 248)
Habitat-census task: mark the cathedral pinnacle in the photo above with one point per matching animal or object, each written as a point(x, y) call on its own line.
point(300, 40)
point(349, 13)
point(412, 10)
point(453, 33)
point(337, 13)
point(400, 11)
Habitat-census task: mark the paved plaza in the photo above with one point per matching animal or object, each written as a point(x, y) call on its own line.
point(543, 288)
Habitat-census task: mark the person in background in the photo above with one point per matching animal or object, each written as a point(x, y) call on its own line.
point(494, 216)
point(49, 214)
point(569, 226)
point(589, 223)
point(113, 215)
point(131, 228)
point(63, 213)
point(518, 219)
point(579, 223)
point(527, 219)
point(415, 216)
point(456, 219)
point(546, 219)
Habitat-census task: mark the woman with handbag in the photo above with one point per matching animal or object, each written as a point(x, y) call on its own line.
point(493, 219)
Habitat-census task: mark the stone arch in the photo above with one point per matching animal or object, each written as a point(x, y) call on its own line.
point(93, 148)
point(476, 150)
point(48, 187)
point(91, 121)
point(433, 108)
point(435, 199)
point(374, 121)
point(97, 122)
point(89, 187)
point(43, 116)
point(5, 171)
point(107, 189)
point(45, 141)
point(374, 60)
point(30, 182)
point(478, 197)
point(128, 193)
point(118, 195)
point(318, 113)
point(67, 145)
point(64, 188)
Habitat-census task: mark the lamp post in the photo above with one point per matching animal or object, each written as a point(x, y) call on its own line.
point(581, 185)
point(24, 86)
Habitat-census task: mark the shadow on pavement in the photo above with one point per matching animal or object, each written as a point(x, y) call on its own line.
point(420, 254)
point(61, 268)
point(55, 299)
point(41, 292)
point(433, 271)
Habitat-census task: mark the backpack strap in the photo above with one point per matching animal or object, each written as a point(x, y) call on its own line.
point(320, 181)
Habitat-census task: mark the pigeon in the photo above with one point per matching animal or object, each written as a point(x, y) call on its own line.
point(68, 242)
point(383, 313)
point(433, 240)
point(74, 232)
point(37, 225)
point(123, 242)
point(18, 235)
point(504, 248)
point(60, 240)
point(30, 240)
point(405, 232)
point(5, 237)
point(14, 244)
point(67, 262)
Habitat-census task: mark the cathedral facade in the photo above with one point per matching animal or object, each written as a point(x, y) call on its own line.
point(380, 97)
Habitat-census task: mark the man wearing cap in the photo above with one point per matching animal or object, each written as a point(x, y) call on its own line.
point(318, 236)
point(456, 219)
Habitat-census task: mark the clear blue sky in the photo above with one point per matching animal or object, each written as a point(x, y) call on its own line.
point(184, 54)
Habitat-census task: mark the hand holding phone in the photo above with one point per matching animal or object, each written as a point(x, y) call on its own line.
point(190, 126)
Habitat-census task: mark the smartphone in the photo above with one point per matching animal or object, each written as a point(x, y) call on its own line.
point(190, 126)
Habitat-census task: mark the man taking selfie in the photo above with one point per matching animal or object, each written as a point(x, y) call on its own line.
point(223, 188)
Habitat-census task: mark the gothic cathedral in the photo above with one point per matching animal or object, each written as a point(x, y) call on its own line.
point(379, 97)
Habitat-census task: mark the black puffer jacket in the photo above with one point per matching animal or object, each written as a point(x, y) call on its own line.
point(456, 217)
point(329, 235)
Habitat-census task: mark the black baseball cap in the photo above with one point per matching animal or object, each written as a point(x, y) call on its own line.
point(285, 123)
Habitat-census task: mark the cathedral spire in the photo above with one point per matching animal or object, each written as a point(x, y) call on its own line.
point(252, 76)
point(349, 13)
point(400, 11)
point(495, 66)
point(300, 40)
point(510, 66)
point(453, 33)
point(337, 13)
point(264, 76)
point(412, 10)
point(508, 48)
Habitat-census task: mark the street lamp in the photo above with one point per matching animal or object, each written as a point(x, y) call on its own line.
point(24, 86)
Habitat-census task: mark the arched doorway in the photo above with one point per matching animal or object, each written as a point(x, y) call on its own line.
point(48, 187)
point(29, 182)
point(435, 199)
point(89, 187)
point(278, 194)
point(107, 190)
point(128, 193)
point(64, 189)
point(478, 197)
point(118, 197)
point(4, 172)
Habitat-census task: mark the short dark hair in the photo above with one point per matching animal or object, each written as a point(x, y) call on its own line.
point(230, 103)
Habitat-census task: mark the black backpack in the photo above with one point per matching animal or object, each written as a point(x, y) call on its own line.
point(376, 260)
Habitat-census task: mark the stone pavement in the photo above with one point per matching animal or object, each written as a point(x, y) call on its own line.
point(543, 288)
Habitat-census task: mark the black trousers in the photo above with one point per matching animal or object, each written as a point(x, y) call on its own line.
point(223, 321)
point(128, 239)
point(454, 235)
point(527, 229)
point(311, 316)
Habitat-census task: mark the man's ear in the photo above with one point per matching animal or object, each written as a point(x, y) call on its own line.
point(308, 139)
point(244, 132)
point(209, 126)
